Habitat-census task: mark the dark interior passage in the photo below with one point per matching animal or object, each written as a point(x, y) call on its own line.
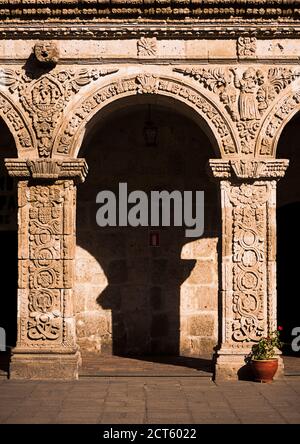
point(8, 240)
point(288, 234)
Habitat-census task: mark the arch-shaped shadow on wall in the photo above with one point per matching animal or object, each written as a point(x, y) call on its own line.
point(288, 247)
point(9, 248)
point(143, 289)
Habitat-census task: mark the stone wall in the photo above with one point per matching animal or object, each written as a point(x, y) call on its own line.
point(131, 298)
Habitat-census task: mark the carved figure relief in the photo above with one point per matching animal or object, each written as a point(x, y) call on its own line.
point(246, 95)
point(247, 101)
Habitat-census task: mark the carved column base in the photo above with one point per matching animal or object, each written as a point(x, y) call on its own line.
point(44, 366)
point(230, 365)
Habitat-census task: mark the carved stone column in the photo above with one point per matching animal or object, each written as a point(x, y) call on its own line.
point(46, 343)
point(248, 287)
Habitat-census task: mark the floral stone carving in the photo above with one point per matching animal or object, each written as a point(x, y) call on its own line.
point(147, 47)
point(246, 47)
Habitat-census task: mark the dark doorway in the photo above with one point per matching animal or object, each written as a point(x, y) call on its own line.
point(9, 276)
point(288, 236)
point(8, 246)
point(288, 248)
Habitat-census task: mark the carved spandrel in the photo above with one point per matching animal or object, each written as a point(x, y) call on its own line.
point(43, 96)
point(246, 93)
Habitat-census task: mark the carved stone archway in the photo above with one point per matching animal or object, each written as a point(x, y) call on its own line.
point(18, 126)
point(69, 136)
point(281, 113)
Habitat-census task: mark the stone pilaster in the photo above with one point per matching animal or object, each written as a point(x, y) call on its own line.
point(248, 285)
point(46, 343)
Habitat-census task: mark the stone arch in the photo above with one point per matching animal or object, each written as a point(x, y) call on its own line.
point(70, 135)
point(281, 113)
point(18, 126)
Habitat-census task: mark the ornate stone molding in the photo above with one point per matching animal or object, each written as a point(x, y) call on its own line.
point(16, 122)
point(93, 10)
point(114, 30)
point(47, 169)
point(144, 83)
point(246, 94)
point(275, 121)
point(248, 169)
point(43, 96)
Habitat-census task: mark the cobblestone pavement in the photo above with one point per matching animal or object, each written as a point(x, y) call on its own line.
point(150, 400)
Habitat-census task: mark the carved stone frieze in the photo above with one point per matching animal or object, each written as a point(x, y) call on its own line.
point(246, 93)
point(143, 10)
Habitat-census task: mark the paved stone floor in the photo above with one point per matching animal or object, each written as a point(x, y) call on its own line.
point(114, 390)
point(150, 400)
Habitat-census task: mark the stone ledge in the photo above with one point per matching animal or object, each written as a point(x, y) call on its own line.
point(47, 169)
point(248, 169)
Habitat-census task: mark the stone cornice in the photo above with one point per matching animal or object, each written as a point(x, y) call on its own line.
point(147, 9)
point(248, 169)
point(116, 29)
point(48, 169)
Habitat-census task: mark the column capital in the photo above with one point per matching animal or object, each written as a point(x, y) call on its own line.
point(249, 169)
point(47, 169)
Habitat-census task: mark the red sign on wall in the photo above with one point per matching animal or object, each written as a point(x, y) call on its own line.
point(154, 239)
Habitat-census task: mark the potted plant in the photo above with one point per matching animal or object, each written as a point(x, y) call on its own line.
point(264, 364)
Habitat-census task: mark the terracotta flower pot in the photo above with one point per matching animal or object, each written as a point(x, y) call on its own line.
point(264, 370)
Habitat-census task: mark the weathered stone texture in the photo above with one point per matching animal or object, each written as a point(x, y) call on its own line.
point(215, 92)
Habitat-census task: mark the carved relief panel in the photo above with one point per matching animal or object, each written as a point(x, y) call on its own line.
point(248, 198)
point(248, 207)
point(46, 256)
